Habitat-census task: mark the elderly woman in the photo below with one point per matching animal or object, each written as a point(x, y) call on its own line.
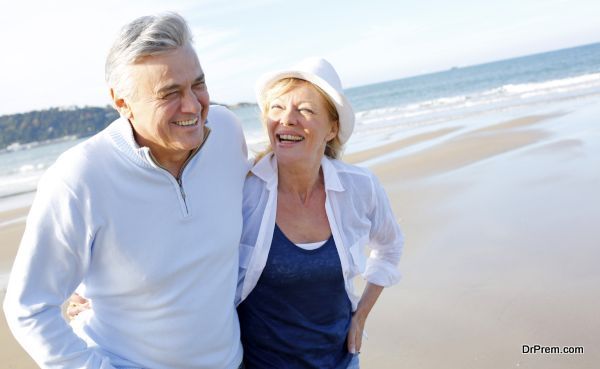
point(307, 219)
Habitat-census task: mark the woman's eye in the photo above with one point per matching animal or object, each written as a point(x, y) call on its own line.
point(306, 110)
point(276, 106)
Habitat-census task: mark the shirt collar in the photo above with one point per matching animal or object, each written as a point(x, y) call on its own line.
point(266, 169)
point(330, 174)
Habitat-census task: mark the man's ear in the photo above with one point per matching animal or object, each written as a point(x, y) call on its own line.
point(120, 104)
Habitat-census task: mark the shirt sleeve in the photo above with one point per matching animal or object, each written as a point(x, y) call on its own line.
point(51, 261)
point(386, 240)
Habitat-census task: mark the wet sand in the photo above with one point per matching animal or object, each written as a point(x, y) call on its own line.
point(501, 249)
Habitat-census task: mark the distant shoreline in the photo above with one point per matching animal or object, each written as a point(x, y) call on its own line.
point(40, 127)
point(241, 104)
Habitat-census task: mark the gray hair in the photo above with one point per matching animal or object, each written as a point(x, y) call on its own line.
point(145, 36)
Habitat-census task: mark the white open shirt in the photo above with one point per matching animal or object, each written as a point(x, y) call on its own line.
point(359, 214)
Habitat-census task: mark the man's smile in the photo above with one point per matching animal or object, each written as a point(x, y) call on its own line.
point(186, 123)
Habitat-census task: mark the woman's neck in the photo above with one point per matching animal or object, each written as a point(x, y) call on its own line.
point(299, 180)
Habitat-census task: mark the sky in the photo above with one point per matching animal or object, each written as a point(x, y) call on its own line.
point(53, 52)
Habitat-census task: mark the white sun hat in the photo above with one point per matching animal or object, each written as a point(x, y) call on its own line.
point(321, 73)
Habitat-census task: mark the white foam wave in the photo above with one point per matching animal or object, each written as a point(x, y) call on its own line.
point(28, 168)
point(586, 80)
point(16, 184)
point(491, 99)
point(17, 146)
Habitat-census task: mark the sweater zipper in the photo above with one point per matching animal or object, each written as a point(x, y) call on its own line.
point(180, 182)
point(180, 174)
point(179, 178)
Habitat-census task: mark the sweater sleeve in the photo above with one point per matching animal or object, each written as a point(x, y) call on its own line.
point(386, 240)
point(51, 262)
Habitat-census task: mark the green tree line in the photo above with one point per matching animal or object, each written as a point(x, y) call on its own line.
point(54, 123)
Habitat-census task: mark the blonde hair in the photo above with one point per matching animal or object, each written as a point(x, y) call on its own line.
point(334, 147)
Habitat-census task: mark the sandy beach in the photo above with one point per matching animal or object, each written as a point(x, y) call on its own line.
point(500, 214)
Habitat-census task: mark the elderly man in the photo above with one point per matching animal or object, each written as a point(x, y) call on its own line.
point(145, 217)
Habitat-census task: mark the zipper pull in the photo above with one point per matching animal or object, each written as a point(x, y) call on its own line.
point(180, 182)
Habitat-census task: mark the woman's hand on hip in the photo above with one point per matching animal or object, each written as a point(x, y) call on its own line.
point(355, 334)
point(357, 324)
point(77, 304)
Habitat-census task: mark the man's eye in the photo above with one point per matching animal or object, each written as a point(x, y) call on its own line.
point(199, 85)
point(170, 95)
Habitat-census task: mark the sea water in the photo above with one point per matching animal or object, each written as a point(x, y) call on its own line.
point(387, 110)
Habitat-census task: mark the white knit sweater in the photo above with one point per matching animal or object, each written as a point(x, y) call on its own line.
point(157, 260)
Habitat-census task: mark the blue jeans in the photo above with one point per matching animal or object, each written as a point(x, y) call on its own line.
point(354, 364)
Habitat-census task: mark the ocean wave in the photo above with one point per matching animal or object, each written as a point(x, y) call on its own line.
point(28, 168)
point(583, 81)
point(18, 173)
point(490, 99)
point(17, 146)
point(16, 184)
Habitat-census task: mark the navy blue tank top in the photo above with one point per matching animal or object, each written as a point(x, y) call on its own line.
point(298, 315)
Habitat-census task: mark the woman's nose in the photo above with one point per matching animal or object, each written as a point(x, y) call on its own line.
point(288, 117)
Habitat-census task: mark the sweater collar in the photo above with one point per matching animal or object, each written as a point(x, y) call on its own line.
point(266, 170)
point(122, 135)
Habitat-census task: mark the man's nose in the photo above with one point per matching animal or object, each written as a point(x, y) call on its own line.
point(190, 103)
